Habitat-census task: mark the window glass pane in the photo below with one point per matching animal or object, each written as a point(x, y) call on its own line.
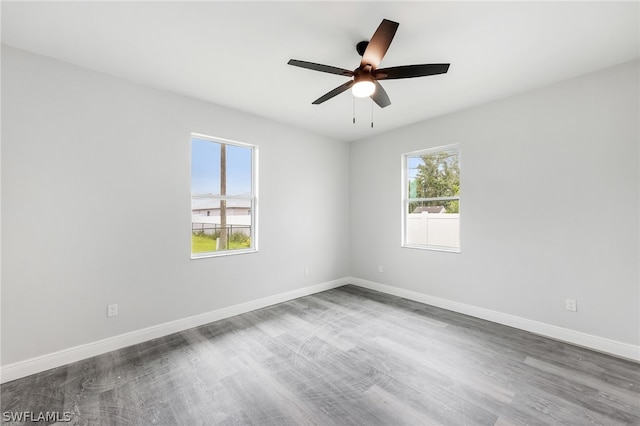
point(205, 168)
point(432, 193)
point(222, 197)
point(208, 233)
point(429, 224)
point(433, 175)
point(238, 170)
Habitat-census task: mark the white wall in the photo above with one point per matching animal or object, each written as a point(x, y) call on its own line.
point(541, 173)
point(90, 155)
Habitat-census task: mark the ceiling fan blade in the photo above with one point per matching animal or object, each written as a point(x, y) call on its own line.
point(333, 93)
point(380, 96)
point(379, 43)
point(320, 67)
point(410, 71)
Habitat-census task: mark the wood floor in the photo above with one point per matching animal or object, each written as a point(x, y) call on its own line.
point(347, 356)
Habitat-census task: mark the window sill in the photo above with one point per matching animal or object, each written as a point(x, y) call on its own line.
point(208, 255)
point(434, 248)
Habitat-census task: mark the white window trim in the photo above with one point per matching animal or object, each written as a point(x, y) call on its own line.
point(405, 200)
point(254, 197)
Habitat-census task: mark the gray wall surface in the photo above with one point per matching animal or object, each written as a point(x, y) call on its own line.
point(85, 156)
point(549, 206)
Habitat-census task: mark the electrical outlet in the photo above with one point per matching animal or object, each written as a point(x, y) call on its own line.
point(380, 268)
point(571, 305)
point(307, 271)
point(112, 310)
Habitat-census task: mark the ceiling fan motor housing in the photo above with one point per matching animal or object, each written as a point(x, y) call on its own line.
point(361, 47)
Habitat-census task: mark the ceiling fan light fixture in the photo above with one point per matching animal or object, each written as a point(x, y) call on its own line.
point(363, 87)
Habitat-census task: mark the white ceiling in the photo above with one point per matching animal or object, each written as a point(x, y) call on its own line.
point(235, 53)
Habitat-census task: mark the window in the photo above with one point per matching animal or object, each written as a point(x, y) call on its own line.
point(223, 197)
point(431, 199)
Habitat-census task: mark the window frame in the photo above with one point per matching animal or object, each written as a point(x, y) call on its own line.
point(253, 197)
point(405, 199)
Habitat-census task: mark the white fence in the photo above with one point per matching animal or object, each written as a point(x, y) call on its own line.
point(436, 229)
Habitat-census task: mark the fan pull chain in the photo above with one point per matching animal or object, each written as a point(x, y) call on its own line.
point(354, 109)
point(372, 113)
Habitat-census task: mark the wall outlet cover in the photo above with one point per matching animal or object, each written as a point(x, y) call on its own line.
point(112, 310)
point(571, 305)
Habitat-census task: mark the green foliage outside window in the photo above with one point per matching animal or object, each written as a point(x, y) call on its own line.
point(437, 175)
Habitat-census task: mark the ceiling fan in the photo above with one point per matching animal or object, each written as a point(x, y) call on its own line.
point(365, 78)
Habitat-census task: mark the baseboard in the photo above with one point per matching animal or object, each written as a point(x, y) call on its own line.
point(45, 362)
point(600, 344)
